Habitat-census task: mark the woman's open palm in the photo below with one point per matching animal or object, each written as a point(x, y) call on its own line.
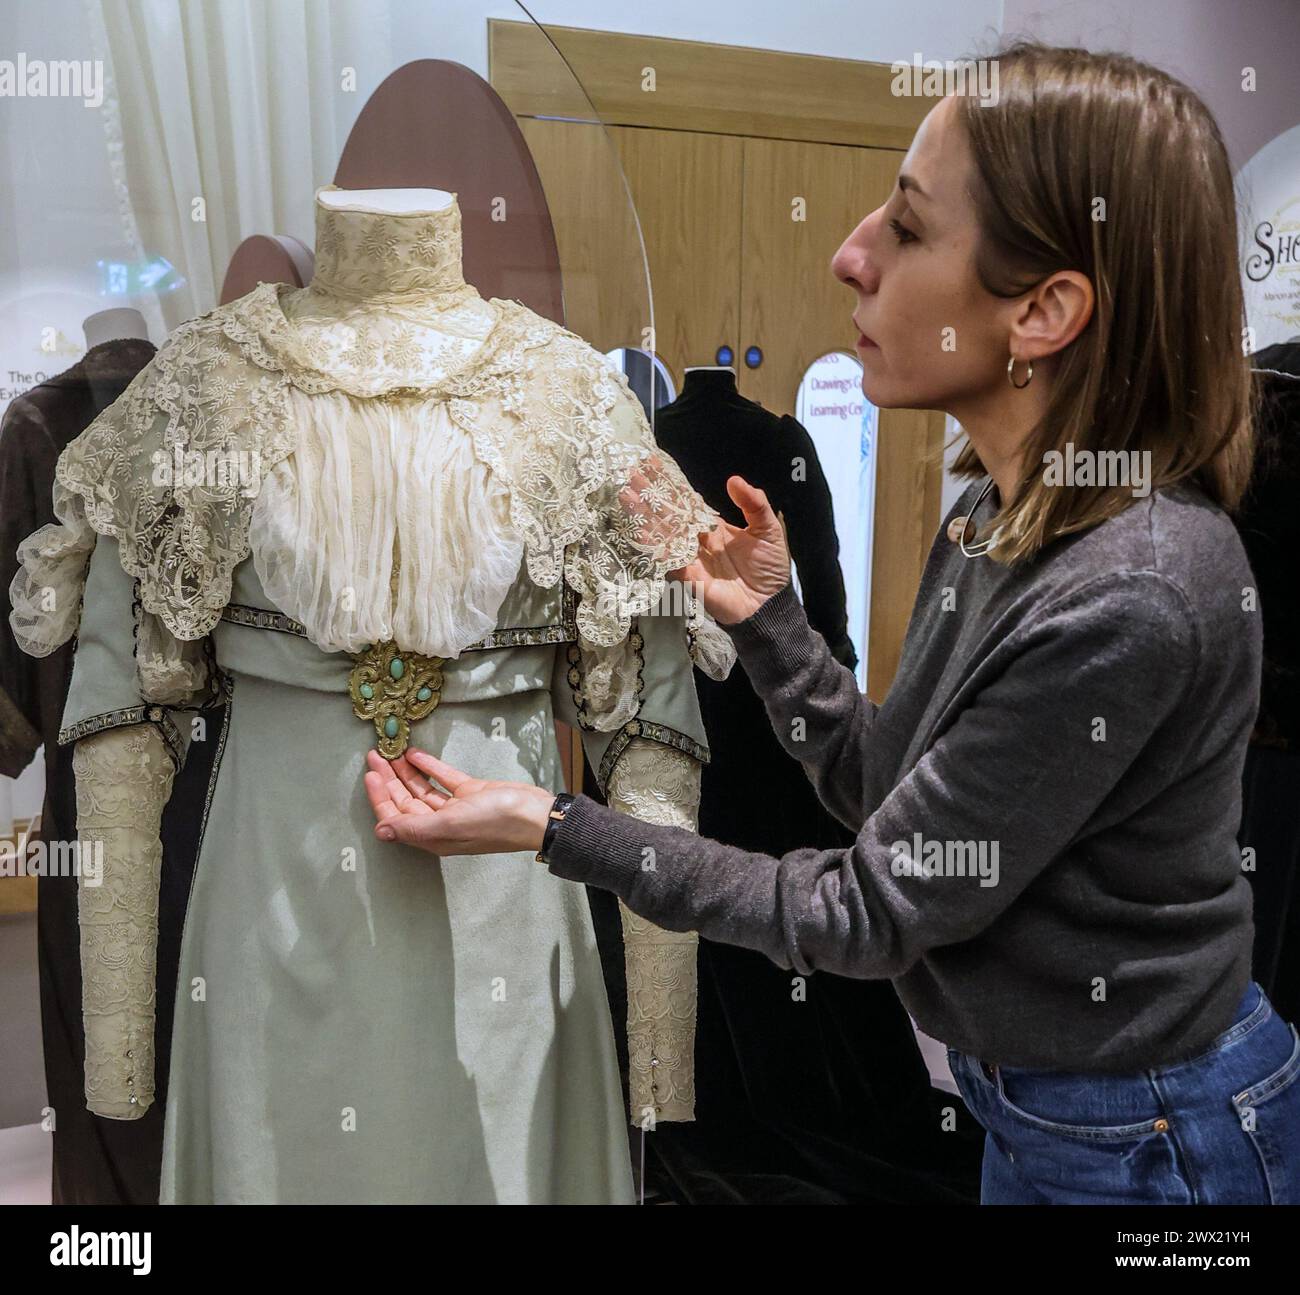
point(474, 815)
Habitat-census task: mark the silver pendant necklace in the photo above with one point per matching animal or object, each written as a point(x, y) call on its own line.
point(975, 550)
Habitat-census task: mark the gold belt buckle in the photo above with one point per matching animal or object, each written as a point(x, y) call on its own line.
point(392, 688)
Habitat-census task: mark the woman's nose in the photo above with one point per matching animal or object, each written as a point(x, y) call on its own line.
point(852, 263)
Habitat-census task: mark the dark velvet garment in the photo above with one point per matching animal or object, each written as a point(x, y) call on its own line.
point(1269, 524)
point(96, 1160)
point(805, 1093)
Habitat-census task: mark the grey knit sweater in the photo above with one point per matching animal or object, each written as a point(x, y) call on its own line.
point(1046, 802)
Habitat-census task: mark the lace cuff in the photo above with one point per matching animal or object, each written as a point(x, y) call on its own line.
point(658, 784)
point(708, 644)
point(124, 779)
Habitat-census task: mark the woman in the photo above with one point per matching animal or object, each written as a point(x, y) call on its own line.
point(1046, 802)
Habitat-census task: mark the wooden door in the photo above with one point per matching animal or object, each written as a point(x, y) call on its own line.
point(687, 191)
point(714, 172)
point(602, 258)
point(801, 201)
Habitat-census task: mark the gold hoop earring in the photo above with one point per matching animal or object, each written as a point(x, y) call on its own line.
point(1011, 377)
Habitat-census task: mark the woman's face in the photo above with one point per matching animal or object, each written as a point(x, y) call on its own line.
point(935, 339)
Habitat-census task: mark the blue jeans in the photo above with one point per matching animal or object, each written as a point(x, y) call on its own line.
point(1220, 1129)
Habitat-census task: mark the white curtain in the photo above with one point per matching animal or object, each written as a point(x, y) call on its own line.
point(242, 104)
point(232, 111)
point(245, 104)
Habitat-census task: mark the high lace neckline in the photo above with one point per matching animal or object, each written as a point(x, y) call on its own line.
point(388, 308)
point(364, 254)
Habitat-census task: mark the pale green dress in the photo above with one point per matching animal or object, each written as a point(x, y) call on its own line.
point(359, 1021)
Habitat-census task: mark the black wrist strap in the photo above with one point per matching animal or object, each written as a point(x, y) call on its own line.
point(559, 807)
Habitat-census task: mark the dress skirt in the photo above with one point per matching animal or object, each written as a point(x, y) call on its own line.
point(356, 1020)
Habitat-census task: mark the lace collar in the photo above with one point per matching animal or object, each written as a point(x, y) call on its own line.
point(378, 351)
point(558, 426)
point(387, 314)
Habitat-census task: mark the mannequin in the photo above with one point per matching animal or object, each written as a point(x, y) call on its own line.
point(93, 1162)
point(396, 202)
point(431, 549)
point(108, 325)
point(789, 1092)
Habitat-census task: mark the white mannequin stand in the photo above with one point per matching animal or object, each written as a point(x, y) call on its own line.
point(108, 325)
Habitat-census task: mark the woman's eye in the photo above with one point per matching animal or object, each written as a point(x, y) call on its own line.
point(901, 232)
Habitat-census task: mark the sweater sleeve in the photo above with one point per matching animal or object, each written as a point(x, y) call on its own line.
point(818, 714)
point(1027, 761)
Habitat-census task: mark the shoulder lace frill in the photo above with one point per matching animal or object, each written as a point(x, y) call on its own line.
point(556, 423)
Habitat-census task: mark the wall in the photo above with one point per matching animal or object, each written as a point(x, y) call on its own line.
point(1203, 42)
point(841, 28)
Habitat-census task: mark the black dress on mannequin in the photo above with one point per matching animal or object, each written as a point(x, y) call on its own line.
point(1269, 524)
point(96, 1161)
point(805, 1092)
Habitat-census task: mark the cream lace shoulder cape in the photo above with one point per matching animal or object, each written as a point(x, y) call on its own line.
point(546, 413)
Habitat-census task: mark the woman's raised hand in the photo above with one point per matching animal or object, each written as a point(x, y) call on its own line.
point(739, 568)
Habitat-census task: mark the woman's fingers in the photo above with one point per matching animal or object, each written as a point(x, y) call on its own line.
point(416, 783)
point(447, 774)
point(761, 520)
point(752, 502)
point(380, 802)
point(394, 789)
point(391, 824)
point(630, 497)
point(653, 529)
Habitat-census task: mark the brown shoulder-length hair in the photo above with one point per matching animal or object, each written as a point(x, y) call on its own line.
point(1105, 165)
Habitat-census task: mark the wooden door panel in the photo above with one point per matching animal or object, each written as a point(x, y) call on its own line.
point(602, 261)
point(795, 310)
point(792, 307)
point(687, 191)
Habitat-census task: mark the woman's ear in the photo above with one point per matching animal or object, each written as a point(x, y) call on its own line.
point(1051, 315)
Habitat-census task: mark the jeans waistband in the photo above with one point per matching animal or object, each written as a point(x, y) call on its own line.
point(1253, 1009)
